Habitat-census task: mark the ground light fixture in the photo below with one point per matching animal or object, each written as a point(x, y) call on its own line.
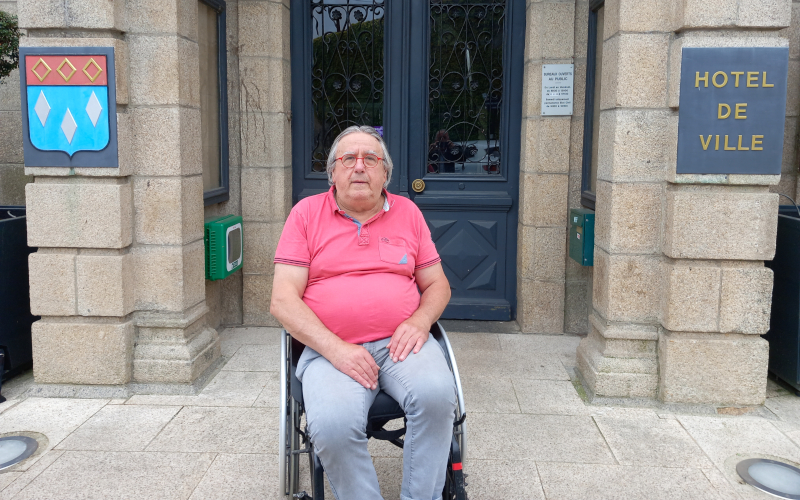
point(15, 449)
point(776, 478)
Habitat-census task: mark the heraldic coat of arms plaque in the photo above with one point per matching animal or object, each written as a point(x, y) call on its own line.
point(69, 112)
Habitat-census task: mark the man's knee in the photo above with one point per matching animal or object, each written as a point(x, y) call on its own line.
point(336, 430)
point(436, 397)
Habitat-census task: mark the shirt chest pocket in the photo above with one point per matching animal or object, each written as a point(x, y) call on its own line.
point(393, 253)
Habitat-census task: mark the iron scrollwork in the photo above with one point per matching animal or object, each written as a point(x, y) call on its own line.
point(347, 69)
point(465, 88)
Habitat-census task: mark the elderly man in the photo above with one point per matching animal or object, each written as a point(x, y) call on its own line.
point(359, 282)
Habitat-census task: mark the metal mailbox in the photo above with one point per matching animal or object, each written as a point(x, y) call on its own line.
point(581, 236)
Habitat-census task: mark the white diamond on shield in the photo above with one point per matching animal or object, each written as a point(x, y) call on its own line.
point(42, 108)
point(68, 126)
point(93, 109)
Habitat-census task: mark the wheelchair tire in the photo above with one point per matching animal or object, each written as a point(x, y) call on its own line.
point(295, 445)
point(284, 422)
point(289, 438)
point(454, 483)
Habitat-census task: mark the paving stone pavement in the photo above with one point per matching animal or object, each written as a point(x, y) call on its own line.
point(531, 435)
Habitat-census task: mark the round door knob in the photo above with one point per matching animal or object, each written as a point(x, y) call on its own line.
point(418, 185)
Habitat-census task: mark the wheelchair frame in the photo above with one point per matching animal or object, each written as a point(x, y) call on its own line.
point(291, 412)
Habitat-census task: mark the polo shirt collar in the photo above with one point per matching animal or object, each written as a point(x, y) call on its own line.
point(335, 206)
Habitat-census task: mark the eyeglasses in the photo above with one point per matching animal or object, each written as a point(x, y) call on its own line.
point(349, 161)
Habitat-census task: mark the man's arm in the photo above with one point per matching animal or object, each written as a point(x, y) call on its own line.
point(288, 286)
point(413, 332)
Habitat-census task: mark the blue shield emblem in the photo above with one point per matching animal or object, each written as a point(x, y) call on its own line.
point(69, 106)
point(68, 118)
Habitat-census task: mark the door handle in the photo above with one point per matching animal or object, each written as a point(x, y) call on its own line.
point(418, 185)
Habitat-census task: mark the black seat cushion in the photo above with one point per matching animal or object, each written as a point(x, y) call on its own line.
point(385, 408)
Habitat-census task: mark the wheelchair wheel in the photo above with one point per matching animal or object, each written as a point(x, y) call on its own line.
point(454, 483)
point(283, 424)
point(295, 446)
point(289, 439)
point(460, 429)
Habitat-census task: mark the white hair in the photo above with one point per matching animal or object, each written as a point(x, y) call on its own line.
point(364, 129)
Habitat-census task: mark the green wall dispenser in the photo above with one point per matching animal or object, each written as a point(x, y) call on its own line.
point(224, 242)
point(581, 236)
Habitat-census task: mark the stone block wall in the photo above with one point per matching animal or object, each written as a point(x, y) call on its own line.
point(120, 266)
point(680, 294)
point(791, 161)
point(119, 275)
point(266, 163)
point(702, 338)
point(259, 103)
point(578, 279)
point(12, 174)
point(545, 166)
point(224, 297)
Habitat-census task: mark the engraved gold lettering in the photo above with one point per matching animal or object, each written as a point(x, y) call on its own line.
point(739, 147)
point(720, 116)
point(752, 76)
point(756, 140)
point(764, 81)
point(705, 143)
point(737, 74)
point(714, 79)
point(726, 148)
point(716, 144)
point(697, 79)
point(741, 109)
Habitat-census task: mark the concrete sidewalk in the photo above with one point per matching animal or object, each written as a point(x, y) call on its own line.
point(531, 435)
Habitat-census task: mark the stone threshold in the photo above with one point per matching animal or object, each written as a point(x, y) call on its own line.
point(125, 391)
point(591, 399)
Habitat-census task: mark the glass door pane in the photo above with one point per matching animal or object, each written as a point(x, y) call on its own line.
point(347, 70)
point(465, 87)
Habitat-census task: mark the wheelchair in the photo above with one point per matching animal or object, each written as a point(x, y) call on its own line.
point(294, 441)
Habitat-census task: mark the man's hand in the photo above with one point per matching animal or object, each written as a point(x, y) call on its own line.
point(287, 305)
point(409, 335)
point(356, 362)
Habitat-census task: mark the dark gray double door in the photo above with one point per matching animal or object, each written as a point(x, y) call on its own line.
point(443, 80)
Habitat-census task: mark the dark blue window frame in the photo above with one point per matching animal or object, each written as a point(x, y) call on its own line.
point(588, 197)
point(222, 193)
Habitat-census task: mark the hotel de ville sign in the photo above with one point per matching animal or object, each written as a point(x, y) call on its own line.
point(732, 110)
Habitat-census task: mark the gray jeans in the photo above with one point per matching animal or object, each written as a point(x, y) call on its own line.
point(337, 407)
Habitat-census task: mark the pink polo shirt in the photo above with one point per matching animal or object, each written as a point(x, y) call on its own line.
point(361, 282)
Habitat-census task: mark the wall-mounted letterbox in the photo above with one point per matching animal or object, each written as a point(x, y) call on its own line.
point(581, 236)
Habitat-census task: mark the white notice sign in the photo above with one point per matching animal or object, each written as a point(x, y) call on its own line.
point(557, 89)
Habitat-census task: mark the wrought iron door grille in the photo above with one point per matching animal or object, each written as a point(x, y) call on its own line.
point(465, 88)
point(347, 70)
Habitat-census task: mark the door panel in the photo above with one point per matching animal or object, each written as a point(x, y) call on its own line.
point(471, 241)
point(450, 87)
point(464, 145)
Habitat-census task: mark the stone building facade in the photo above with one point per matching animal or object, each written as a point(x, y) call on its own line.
point(677, 298)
